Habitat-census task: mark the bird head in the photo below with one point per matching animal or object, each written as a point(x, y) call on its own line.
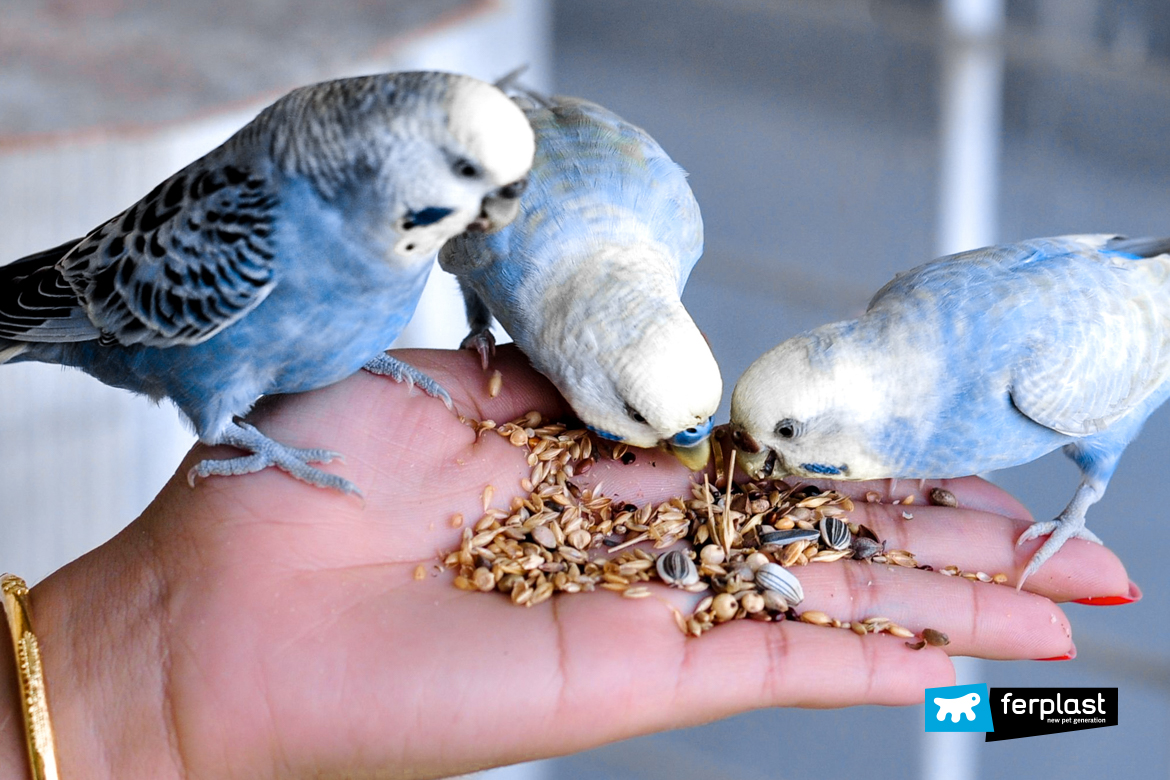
point(628, 357)
point(807, 407)
point(471, 172)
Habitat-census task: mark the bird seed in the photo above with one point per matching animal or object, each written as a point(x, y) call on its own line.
point(742, 540)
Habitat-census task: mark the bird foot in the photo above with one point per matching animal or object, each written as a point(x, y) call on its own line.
point(482, 342)
point(384, 365)
point(1060, 530)
point(266, 452)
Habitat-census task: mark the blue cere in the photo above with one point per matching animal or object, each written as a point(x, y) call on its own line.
point(604, 434)
point(692, 436)
point(821, 468)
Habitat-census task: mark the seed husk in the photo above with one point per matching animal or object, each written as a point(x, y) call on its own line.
point(484, 579)
point(816, 617)
point(943, 497)
point(774, 601)
point(935, 638)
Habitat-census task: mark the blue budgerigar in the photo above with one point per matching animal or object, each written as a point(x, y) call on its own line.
point(284, 260)
point(587, 280)
point(977, 361)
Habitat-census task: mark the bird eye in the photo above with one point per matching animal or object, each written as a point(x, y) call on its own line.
point(634, 415)
point(786, 428)
point(465, 168)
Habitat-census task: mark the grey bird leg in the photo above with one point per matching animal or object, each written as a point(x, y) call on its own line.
point(384, 365)
point(1070, 524)
point(479, 319)
point(265, 453)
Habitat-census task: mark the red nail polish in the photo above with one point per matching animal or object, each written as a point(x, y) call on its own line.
point(1071, 654)
point(1134, 594)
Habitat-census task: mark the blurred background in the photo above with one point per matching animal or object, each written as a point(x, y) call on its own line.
point(831, 143)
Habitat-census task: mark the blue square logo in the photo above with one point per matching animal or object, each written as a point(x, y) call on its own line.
point(958, 708)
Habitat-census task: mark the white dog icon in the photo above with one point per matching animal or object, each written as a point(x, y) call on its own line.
point(964, 705)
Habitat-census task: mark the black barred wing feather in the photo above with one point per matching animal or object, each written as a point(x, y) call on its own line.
point(183, 263)
point(36, 303)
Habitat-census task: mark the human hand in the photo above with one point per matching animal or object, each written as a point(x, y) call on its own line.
point(258, 627)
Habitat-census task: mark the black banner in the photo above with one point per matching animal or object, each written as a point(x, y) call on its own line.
point(1032, 712)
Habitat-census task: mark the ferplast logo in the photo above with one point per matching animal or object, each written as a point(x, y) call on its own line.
point(1031, 712)
point(1012, 713)
point(958, 708)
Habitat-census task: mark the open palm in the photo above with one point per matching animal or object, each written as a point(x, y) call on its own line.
point(257, 627)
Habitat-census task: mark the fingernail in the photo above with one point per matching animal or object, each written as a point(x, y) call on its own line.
point(1071, 654)
point(1134, 594)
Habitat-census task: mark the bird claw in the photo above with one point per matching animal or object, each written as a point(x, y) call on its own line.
point(266, 452)
point(482, 342)
point(1059, 531)
point(384, 365)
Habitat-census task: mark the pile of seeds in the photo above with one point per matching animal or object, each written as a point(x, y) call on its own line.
point(744, 540)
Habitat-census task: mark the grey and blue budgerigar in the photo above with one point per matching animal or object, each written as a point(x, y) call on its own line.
point(587, 280)
point(977, 361)
point(284, 260)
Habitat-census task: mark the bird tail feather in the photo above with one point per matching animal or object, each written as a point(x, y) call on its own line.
point(9, 350)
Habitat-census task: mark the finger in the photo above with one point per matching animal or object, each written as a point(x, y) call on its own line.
point(983, 620)
point(968, 492)
point(664, 680)
point(982, 542)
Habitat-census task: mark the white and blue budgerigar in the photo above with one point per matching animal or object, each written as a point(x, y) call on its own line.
point(974, 362)
point(587, 280)
point(284, 260)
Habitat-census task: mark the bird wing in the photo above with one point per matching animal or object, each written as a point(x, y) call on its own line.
point(1107, 351)
point(192, 257)
point(36, 303)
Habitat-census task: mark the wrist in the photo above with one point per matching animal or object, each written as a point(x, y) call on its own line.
point(100, 654)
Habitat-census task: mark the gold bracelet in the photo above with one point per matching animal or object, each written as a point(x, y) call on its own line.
point(38, 732)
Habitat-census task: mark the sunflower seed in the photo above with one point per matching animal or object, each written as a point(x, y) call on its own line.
point(835, 533)
point(677, 569)
point(788, 537)
point(776, 578)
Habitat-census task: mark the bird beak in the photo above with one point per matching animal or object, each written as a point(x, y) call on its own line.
point(759, 464)
point(499, 208)
point(695, 456)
